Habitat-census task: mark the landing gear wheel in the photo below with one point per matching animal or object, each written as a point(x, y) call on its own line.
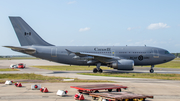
point(94, 98)
point(96, 91)
point(151, 70)
point(100, 70)
point(109, 90)
point(118, 90)
point(95, 70)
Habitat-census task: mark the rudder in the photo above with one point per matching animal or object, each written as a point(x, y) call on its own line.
point(26, 35)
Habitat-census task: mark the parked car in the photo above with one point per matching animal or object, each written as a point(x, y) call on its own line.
point(21, 65)
point(13, 66)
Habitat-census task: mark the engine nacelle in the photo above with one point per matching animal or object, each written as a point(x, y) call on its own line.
point(123, 65)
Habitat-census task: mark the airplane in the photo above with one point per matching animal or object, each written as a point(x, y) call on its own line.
point(116, 57)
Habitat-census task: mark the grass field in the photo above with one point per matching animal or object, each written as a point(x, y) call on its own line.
point(8, 69)
point(68, 68)
point(40, 78)
point(172, 64)
point(138, 75)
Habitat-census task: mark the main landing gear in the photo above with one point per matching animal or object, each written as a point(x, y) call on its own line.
point(151, 70)
point(97, 69)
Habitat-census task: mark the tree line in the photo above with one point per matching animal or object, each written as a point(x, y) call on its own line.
point(176, 54)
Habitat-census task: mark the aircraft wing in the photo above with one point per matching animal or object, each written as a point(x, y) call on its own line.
point(99, 55)
point(20, 49)
point(92, 56)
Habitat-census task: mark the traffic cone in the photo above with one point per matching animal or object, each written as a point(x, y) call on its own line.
point(76, 96)
point(19, 85)
point(81, 97)
point(45, 90)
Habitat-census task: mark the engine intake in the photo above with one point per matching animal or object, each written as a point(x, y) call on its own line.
point(123, 65)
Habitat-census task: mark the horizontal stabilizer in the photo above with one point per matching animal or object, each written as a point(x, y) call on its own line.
point(20, 49)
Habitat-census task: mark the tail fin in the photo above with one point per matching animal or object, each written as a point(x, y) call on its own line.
point(26, 35)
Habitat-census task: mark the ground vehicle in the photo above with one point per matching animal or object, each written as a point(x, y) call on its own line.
point(21, 65)
point(13, 66)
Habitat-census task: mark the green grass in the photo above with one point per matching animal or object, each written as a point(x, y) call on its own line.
point(138, 75)
point(172, 64)
point(8, 69)
point(32, 77)
point(68, 68)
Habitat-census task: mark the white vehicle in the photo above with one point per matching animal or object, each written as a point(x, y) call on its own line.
point(13, 66)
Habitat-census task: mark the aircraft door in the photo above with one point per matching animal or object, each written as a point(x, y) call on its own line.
point(155, 53)
point(54, 52)
point(113, 53)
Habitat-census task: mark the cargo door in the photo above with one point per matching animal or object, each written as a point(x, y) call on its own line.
point(54, 52)
point(155, 53)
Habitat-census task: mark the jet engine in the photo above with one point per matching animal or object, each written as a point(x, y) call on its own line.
point(122, 65)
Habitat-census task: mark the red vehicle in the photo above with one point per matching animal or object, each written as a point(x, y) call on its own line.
point(21, 65)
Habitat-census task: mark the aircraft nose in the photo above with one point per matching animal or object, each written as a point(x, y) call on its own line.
point(171, 57)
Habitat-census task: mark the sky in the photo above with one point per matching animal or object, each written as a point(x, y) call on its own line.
point(95, 22)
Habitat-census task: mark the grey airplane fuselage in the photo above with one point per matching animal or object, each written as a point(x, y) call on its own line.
point(141, 55)
point(117, 57)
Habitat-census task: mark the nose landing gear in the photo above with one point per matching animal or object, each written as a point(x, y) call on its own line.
point(151, 70)
point(97, 69)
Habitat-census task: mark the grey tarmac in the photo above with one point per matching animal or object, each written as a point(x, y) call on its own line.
point(162, 90)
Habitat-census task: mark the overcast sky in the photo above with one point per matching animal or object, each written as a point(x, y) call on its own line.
point(95, 22)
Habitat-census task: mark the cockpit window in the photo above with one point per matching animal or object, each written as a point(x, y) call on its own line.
point(166, 52)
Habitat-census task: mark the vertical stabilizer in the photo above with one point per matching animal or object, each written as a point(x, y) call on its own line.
point(26, 35)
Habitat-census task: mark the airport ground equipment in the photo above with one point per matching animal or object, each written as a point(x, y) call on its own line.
point(44, 90)
point(62, 93)
point(96, 87)
point(79, 96)
point(18, 84)
point(8, 82)
point(119, 96)
point(35, 87)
